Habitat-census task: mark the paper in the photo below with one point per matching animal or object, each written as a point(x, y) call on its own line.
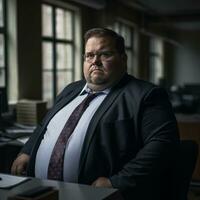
point(15, 133)
point(8, 181)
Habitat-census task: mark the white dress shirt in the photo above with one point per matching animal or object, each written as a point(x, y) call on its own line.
point(75, 142)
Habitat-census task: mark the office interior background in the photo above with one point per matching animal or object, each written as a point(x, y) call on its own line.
point(41, 43)
point(41, 47)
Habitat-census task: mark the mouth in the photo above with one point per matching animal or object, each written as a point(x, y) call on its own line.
point(97, 72)
point(96, 68)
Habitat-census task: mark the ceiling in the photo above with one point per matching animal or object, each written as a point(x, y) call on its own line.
point(182, 14)
point(168, 7)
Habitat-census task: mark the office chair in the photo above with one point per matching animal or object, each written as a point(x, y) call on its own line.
point(179, 177)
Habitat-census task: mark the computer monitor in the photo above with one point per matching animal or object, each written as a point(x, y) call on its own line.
point(3, 101)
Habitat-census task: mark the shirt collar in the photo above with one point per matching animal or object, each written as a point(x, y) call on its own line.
point(86, 89)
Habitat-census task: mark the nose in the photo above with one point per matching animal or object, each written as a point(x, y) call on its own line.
point(97, 59)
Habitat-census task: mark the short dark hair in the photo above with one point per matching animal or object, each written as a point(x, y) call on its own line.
point(105, 32)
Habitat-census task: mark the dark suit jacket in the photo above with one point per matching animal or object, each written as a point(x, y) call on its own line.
point(130, 139)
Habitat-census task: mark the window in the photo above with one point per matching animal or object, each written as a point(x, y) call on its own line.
point(3, 45)
point(156, 60)
point(59, 44)
point(127, 31)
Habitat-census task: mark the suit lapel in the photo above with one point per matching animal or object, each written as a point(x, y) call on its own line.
point(96, 118)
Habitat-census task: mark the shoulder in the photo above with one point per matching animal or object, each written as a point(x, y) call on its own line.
point(136, 86)
point(141, 89)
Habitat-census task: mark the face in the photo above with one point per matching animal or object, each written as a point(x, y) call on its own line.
point(103, 65)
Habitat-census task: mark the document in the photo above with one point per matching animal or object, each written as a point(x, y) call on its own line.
point(8, 181)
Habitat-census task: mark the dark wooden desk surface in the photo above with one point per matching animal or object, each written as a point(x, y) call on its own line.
point(67, 191)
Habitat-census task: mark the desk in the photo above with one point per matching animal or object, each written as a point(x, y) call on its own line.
point(67, 191)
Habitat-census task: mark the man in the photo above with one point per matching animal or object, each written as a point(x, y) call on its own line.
point(125, 139)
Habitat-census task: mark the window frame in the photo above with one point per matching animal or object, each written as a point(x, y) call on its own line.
point(56, 41)
point(133, 47)
point(156, 56)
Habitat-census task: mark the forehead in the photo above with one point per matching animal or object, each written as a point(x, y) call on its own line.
point(96, 43)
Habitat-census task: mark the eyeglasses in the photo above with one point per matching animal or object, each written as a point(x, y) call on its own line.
point(103, 55)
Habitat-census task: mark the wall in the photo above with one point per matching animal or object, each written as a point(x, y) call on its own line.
point(186, 58)
point(181, 53)
point(29, 48)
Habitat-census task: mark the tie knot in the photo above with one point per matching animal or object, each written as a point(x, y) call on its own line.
point(90, 97)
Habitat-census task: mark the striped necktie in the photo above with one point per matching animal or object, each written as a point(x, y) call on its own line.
point(55, 169)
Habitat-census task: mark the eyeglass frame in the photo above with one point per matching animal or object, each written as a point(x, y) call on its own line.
point(89, 57)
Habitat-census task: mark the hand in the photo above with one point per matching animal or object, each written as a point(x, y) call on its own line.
point(102, 182)
point(20, 164)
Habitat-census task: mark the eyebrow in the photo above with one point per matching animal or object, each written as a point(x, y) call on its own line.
point(100, 51)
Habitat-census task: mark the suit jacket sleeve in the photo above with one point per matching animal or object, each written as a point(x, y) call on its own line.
point(158, 130)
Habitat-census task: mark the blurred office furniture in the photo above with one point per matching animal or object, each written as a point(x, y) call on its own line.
point(8, 152)
point(3, 101)
point(185, 99)
point(3, 106)
point(12, 138)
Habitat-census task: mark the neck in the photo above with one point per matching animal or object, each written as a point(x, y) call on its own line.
point(96, 88)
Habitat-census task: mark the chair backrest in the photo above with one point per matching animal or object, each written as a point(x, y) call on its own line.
point(183, 169)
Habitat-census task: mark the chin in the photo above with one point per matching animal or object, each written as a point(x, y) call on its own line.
point(98, 81)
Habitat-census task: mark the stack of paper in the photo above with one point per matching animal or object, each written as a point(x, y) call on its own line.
point(30, 112)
